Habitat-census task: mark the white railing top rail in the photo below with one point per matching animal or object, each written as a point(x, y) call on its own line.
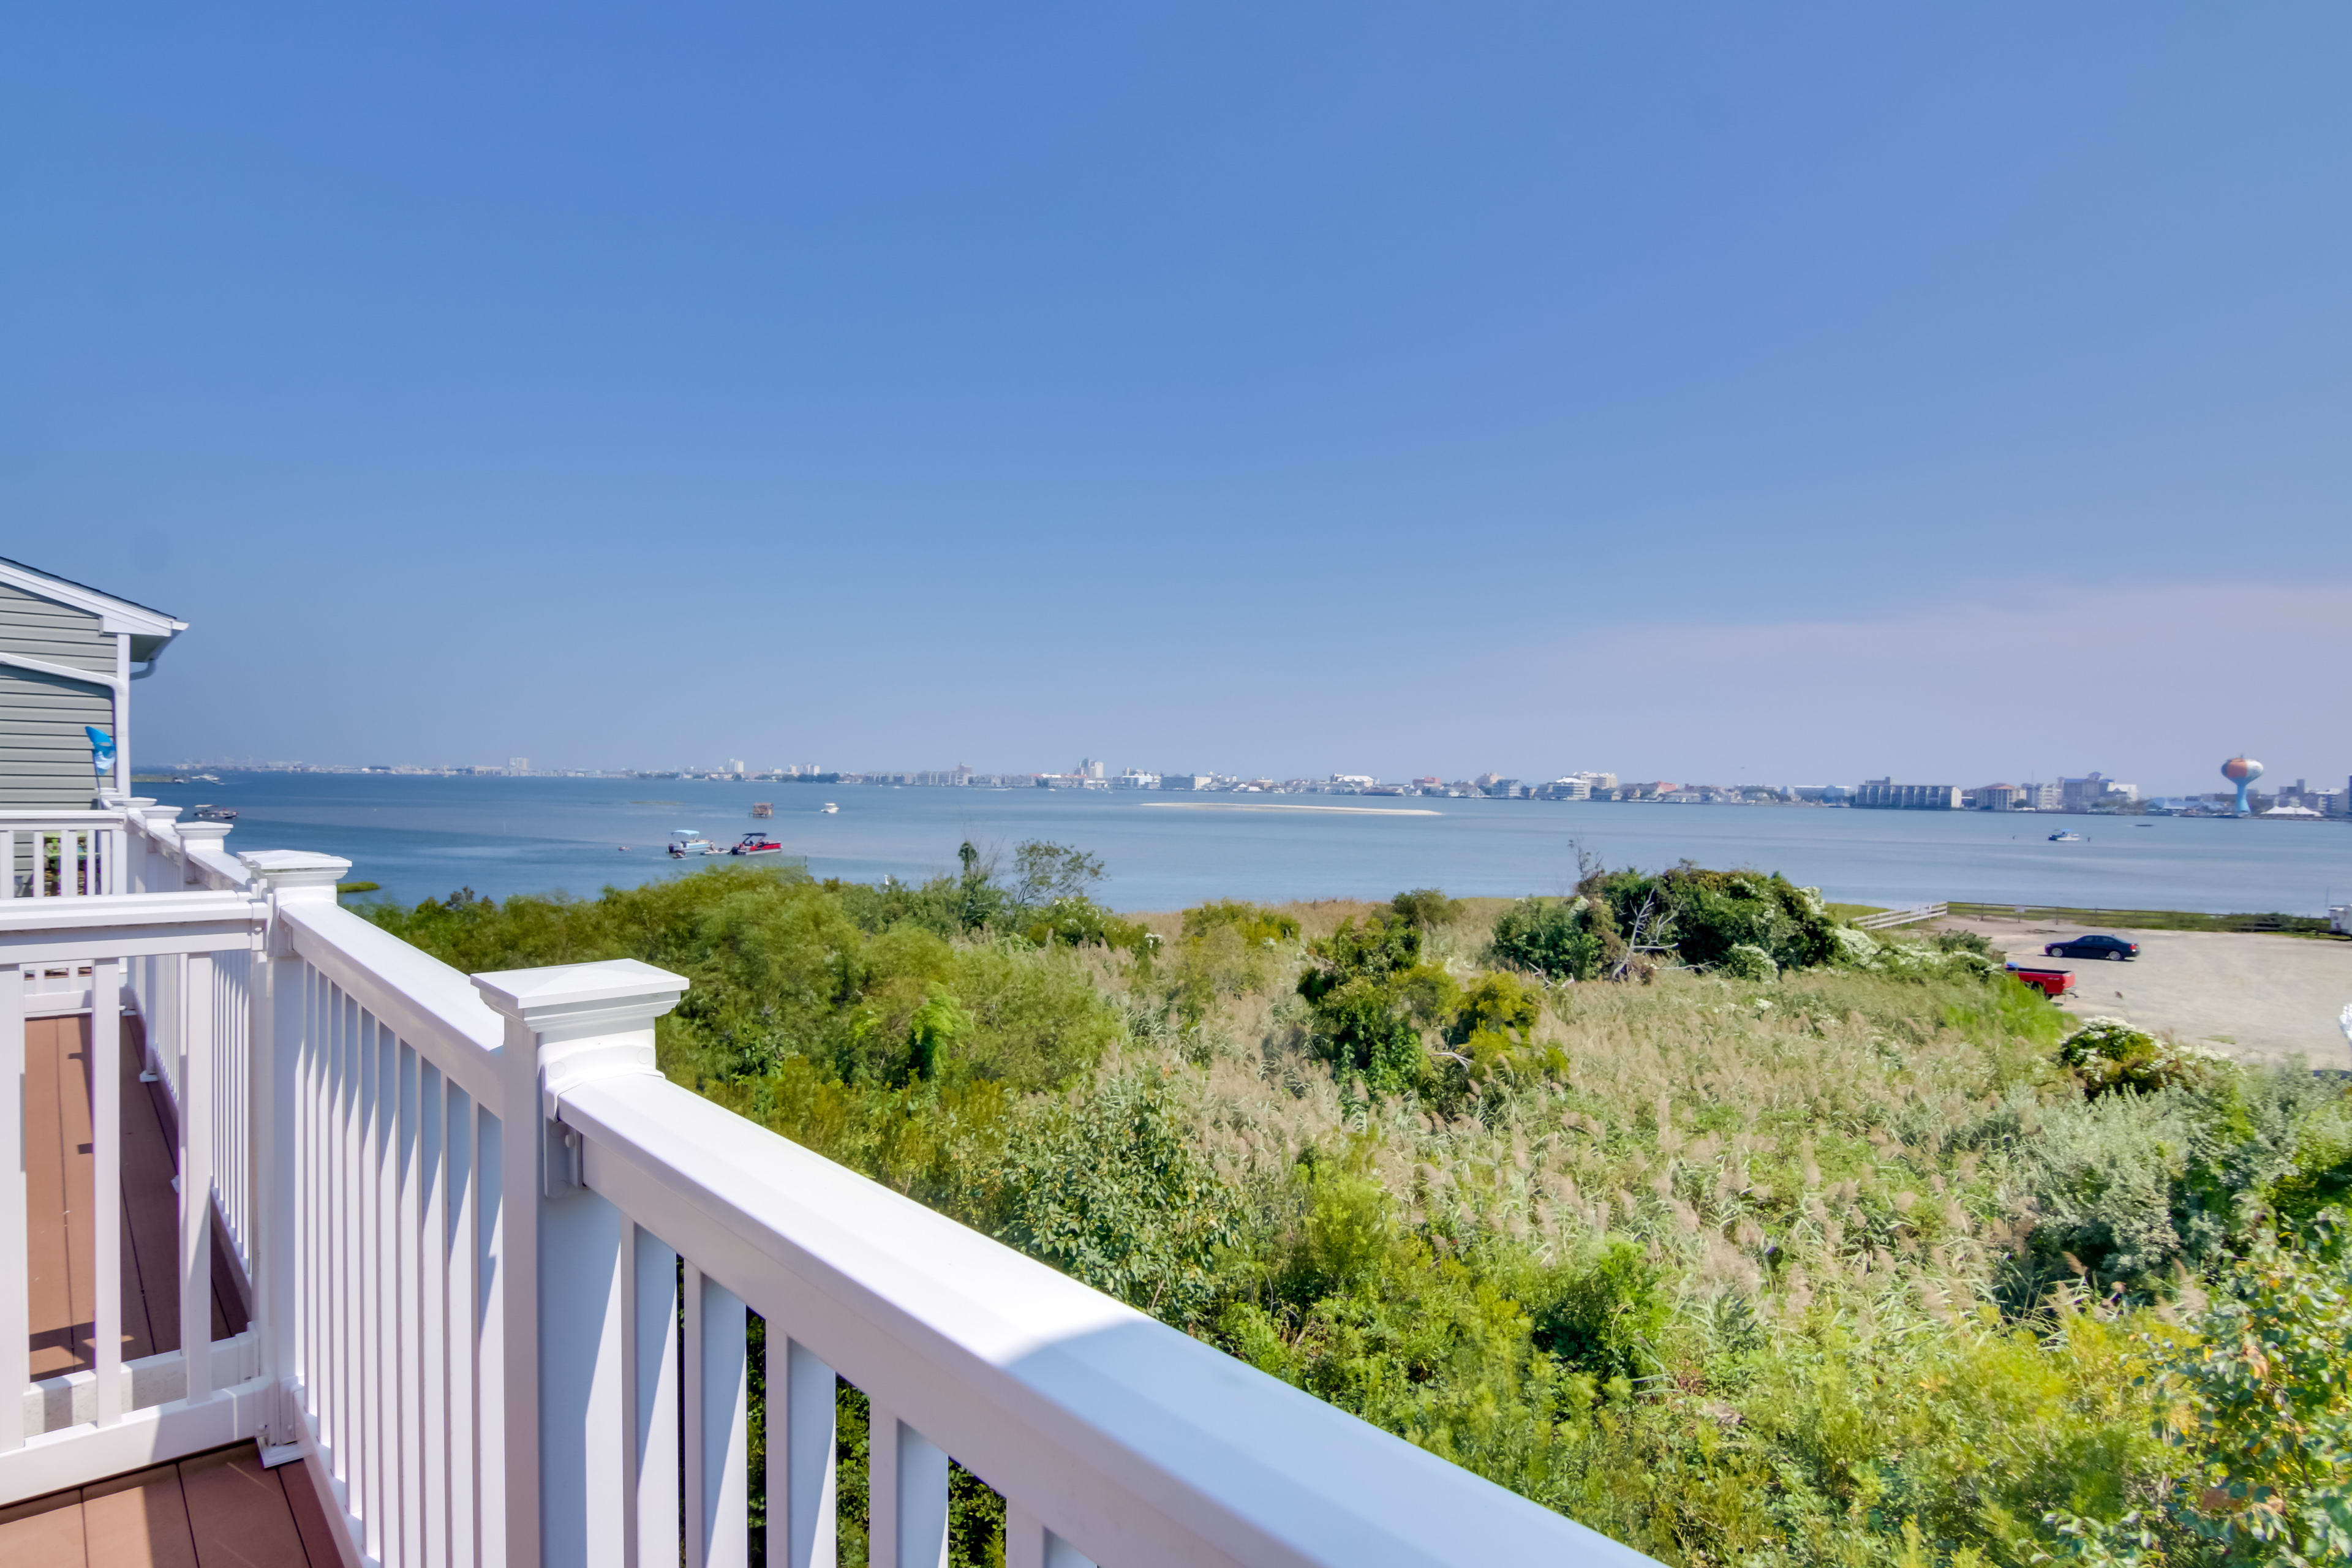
point(1139, 1445)
point(85, 924)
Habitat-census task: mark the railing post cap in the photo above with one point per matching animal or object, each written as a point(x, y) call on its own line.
point(148, 811)
point(286, 869)
point(614, 992)
point(203, 832)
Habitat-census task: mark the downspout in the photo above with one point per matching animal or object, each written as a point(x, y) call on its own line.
point(122, 713)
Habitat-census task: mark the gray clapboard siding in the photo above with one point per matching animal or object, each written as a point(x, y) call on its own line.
point(44, 754)
point(44, 629)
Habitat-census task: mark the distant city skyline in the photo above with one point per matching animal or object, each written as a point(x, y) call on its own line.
point(1748, 395)
point(2068, 791)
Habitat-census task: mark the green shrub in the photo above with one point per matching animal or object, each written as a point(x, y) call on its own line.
point(1369, 997)
point(1109, 1189)
point(1034, 1023)
point(1079, 921)
point(2264, 1407)
point(1426, 909)
point(1574, 939)
point(1255, 925)
point(1707, 913)
point(2108, 1054)
point(1227, 948)
point(2320, 1174)
point(1746, 960)
point(1602, 1314)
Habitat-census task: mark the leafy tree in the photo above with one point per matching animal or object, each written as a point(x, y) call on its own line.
point(1044, 872)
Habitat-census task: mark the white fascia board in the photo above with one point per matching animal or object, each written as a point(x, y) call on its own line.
point(115, 615)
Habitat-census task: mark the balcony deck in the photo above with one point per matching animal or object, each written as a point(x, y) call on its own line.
point(217, 1507)
point(58, 1163)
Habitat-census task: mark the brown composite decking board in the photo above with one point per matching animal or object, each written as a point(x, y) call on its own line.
point(219, 1509)
point(59, 1170)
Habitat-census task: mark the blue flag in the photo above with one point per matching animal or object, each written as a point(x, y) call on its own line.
point(102, 748)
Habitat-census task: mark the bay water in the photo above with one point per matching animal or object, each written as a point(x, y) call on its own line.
point(423, 836)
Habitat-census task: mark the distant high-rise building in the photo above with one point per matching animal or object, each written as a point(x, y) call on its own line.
point(517, 765)
point(735, 766)
point(1089, 769)
point(2093, 791)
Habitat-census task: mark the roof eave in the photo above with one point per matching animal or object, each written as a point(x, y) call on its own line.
point(115, 614)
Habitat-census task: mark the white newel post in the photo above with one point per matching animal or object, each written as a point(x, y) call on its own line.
point(150, 876)
point(198, 836)
point(567, 1267)
point(284, 876)
point(153, 873)
point(124, 847)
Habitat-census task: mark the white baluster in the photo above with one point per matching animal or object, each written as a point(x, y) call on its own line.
point(802, 1526)
point(196, 1174)
point(433, 1299)
point(909, 1502)
point(654, 1377)
point(1029, 1544)
point(722, 1503)
point(15, 1259)
point(106, 1179)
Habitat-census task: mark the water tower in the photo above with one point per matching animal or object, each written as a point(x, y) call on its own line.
point(2242, 771)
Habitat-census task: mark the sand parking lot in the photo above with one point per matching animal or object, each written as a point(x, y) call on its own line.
point(2261, 998)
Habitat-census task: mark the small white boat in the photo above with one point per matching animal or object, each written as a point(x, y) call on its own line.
point(828, 809)
point(689, 843)
point(2063, 837)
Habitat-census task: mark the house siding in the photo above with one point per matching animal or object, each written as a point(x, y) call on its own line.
point(45, 630)
point(44, 755)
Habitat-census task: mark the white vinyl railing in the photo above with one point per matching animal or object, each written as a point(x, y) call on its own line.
point(202, 940)
point(502, 1274)
point(60, 854)
point(1885, 918)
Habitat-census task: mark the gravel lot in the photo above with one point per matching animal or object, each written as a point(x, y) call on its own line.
point(2261, 998)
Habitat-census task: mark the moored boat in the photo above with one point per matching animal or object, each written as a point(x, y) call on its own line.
point(756, 844)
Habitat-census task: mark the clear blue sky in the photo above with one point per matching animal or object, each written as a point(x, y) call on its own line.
point(1695, 391)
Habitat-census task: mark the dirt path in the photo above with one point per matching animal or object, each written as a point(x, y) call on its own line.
point(2261, 998)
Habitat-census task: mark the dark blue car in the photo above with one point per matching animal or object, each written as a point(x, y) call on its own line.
point(2095, 945)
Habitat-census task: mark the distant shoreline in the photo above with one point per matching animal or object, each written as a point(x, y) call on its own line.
point(1284, 805)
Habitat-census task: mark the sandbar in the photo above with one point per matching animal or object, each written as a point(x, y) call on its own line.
point(1283, 805)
